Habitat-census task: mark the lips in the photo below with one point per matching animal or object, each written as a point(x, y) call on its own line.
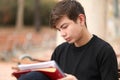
point(67, 39)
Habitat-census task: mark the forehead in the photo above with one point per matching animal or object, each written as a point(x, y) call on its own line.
point(62, 21)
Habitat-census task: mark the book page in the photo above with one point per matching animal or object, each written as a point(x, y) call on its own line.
point(49, 68)
point(47, 64)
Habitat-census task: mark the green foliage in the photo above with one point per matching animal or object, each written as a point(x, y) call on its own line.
point(8, 13)
point(8, 9)
point(44, 11)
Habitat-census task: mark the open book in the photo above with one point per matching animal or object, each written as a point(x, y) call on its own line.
point(49, 68)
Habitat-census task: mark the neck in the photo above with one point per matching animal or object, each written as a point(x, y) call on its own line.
point(84, 39)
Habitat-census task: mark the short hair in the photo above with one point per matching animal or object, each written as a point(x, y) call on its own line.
point(69, 8)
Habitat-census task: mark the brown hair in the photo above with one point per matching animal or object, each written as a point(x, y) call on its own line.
point(69, 8)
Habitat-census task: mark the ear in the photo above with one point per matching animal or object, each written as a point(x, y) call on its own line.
point(81, 19)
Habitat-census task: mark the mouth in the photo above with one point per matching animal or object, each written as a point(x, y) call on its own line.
point(67, 39)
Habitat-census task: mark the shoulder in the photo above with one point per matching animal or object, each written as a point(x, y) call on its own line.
point(59, 51)
point(63, 45)
point(102, 47)
point(61, 48)
point(105, 52)
point(101, 43)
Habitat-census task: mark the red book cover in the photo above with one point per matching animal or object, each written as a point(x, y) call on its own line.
point(50, 69)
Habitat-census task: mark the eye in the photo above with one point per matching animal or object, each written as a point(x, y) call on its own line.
point(57, 29)
point(64, 27)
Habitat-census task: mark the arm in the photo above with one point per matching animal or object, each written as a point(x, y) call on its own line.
point(108, 64)
point(68, 77)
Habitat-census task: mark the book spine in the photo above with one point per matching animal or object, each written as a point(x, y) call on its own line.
point(53, 75)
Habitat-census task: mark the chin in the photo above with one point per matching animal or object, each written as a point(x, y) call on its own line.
point(70, 42)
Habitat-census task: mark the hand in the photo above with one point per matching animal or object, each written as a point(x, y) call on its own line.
point(15, 68)
point(68, 77)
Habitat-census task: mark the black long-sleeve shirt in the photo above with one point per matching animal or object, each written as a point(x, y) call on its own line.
point(96, 60)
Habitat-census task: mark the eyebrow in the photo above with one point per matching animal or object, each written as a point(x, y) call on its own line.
point(61, 26)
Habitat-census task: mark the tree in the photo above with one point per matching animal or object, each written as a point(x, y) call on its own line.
point(37, 15)
point(20, 15)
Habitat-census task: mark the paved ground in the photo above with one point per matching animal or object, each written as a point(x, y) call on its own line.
point(46, 43)
point(5, 71)
point(6, 67)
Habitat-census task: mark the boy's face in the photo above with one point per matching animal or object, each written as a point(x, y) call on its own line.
point(71, 31)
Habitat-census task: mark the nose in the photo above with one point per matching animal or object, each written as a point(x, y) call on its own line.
point(63, 33)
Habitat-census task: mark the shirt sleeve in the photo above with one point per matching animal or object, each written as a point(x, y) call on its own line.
point(108, 64)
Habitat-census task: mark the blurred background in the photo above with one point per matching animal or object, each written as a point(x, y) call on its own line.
point(25, 30)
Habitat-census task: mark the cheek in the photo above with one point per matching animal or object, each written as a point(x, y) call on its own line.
point(77, 32)
point(72, 33)
point(74, 30)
